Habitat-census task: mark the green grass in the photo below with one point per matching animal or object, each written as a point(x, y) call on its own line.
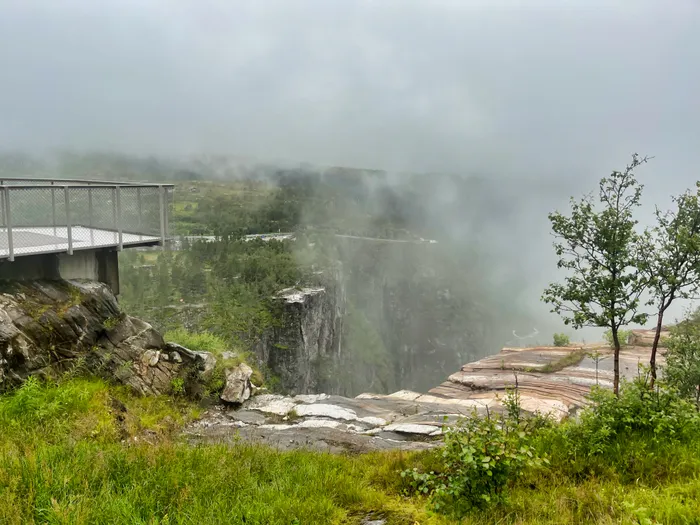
point(199, 341)
point(65, 457)
point(570, 359)
point(81, 451)
point(208, 342)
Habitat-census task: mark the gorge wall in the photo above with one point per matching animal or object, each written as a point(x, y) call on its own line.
point(389, 315)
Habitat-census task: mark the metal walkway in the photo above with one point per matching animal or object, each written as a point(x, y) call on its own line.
point(62, 215)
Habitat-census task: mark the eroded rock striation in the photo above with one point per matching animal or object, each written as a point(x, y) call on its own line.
point(51, 327)
point(553, 381)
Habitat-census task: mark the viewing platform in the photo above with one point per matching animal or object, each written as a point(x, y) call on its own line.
point(78, 223)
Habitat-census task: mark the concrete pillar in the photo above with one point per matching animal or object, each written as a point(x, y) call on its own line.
point(108, 269)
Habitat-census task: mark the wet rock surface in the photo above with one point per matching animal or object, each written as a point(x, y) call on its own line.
point(328, 423)
point(551, 380)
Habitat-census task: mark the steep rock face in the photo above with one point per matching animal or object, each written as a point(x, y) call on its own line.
point(308, 337)
point(50, 327)
point(381, 320)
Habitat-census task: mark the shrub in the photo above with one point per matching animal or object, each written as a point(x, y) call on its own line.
point(682, 370)
point(480, 457)
point(658, 416)
point(622, 335)
point(177, 386)
point(561, 340)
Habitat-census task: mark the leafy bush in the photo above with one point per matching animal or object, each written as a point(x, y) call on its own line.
point(561, 340)
point(658, 416)
point(682, 370)
point(622, 335)
point(177, 386)
point(480, 458)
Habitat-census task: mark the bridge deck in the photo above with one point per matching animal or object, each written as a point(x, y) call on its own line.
point(38, 240)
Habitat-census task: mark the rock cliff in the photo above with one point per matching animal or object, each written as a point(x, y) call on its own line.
point(52, 327)
point(301, 346)
point(386, 317)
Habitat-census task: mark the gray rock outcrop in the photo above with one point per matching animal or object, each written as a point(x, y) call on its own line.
point(51, 327)
point(238, 387)
point(300, 348)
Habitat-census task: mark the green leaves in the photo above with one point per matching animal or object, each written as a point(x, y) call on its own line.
point(599, 247)
point(682, 370)
point(480, 458)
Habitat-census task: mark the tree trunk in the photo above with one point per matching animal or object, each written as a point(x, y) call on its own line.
point(655, 345)
point(616, 358)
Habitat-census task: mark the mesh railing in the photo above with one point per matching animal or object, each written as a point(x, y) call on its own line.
point(44, 216)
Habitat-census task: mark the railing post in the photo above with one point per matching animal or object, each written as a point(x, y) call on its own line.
point(53, 207)
point(119, 217)
point(90, 207)
point(166, 209)
point(138, 205)
point(69, 229)
point(2, 205)
point(114, 209)
point(161, 191)
point(92, 232)
point(8, 222)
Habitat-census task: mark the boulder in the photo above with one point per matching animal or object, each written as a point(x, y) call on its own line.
point(238, 386)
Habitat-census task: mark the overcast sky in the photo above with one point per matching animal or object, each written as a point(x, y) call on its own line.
point(537, 88)
point(499, 86)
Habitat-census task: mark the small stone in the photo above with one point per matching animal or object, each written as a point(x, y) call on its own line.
point(176, 357)
point(150, 357)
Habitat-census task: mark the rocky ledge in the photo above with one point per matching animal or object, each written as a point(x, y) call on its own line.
point(550, 380)
point(329, 423)
point(553, 381)
point(52, 327)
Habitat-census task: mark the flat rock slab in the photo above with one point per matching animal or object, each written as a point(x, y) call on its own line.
point(289, 437)
point(329, 423)
point(544, 385)
point(554, 381)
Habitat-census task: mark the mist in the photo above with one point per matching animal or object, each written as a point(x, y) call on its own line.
point(539, 101)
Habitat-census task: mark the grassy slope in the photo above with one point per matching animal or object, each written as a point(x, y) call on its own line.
point(86, 452)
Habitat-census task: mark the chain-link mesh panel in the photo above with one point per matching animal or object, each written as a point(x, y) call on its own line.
point(50, 218)
point(141, 210)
